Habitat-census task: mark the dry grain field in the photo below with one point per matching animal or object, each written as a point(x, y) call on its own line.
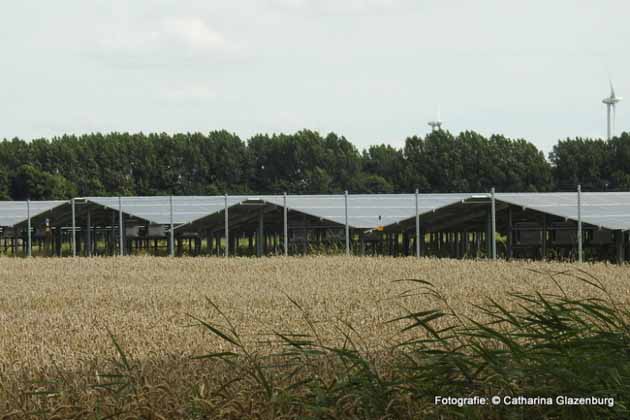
point(56, 316)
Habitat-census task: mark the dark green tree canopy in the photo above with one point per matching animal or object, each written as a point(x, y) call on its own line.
point(304, 162)
point(597, 165)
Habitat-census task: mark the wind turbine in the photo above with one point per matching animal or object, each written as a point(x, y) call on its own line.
point(436, 125)
point(611, 103)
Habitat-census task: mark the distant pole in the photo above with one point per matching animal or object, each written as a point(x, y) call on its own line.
point(286, 227)
point(120, 227)
point(494, 226)
point(74, 229)
point(171, 238)
point(347, 226)
point(579, 217)
point(29, 249)
point(417, 227)
point(227, 229)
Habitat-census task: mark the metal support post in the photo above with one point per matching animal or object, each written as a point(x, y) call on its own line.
point(493, 233)
point(619, 246)
point(171, 237)
point(417, 227)
point(29, 246)
point(286, 228)
point(227, 229)
point(88, 237)
point(120, 228)
point(544, 238)
point(510, 232)
point(579, 226)
point(74, 229)
point(260, 235)
point(347, 226)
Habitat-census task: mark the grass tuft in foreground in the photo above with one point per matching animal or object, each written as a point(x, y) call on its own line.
point(552, 345)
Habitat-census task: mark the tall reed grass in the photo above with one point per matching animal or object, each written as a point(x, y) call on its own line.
point(553, 348)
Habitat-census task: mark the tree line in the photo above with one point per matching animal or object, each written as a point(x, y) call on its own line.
point(302, 162)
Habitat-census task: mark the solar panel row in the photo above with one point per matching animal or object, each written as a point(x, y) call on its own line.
point(365, 211)
point(15, 212)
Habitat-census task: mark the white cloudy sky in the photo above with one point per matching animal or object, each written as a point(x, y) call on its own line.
point(373, 70)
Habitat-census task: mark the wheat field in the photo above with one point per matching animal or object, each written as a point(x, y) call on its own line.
point(56, 316)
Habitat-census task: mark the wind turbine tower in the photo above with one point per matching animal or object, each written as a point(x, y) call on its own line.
point(611, 103)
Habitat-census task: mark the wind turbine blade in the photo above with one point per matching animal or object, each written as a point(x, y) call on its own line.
point(612, 88)
point(614, 120)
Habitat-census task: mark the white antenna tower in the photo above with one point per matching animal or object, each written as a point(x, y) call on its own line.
point(436, 125)
point(611, 104)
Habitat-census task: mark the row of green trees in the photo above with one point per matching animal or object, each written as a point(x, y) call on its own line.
point(303, 162)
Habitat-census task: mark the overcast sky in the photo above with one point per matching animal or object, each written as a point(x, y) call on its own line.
point(373, 70)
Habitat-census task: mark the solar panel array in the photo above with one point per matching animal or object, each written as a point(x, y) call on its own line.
point(609, 210)
point(367, 211)
point(14, 212)
point(156, 210)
